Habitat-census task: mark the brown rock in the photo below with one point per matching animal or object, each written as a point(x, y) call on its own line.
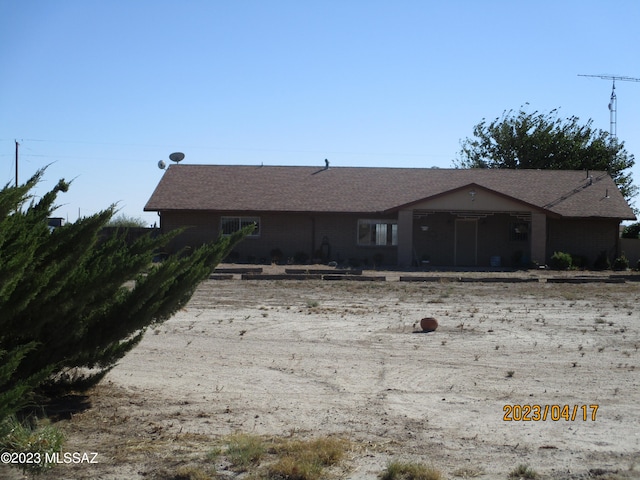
point(428, 324)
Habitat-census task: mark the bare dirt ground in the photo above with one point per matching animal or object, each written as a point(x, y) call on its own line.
point(312, 358)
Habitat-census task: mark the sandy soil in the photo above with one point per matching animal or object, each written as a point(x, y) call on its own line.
point(311, 358)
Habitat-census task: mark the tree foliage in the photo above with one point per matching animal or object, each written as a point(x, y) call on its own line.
point(631, 231)
point(72, 303)
point(546, 141)
point(123, 220)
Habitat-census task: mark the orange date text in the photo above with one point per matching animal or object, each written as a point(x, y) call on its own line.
point(555, 413)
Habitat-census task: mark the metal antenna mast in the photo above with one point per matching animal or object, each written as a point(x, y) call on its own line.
point(613, 102)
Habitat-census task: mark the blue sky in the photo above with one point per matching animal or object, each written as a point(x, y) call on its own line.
point(102, 90)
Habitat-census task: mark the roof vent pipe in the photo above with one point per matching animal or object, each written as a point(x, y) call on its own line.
point(326, 164)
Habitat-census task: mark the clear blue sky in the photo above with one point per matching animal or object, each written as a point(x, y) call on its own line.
point(102, 90)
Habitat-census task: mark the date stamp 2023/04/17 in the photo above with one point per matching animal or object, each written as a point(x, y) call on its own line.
point(555, 413)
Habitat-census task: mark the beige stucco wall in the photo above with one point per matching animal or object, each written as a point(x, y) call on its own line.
point(305, 232)
point(481, 200)
point(585, 237)
point(289, 233)
point(341, 231)
point(199, 229)
point(631, 249)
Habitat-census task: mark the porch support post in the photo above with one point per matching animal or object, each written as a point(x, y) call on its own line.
point(405, 238)
point(539, 238)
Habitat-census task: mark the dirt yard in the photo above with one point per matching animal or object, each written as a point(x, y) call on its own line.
point(313, 358)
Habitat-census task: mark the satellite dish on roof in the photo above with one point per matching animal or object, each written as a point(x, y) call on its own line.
point(162, 165)
point(176, 157)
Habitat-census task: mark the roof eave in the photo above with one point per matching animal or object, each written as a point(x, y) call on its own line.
point(255, 211)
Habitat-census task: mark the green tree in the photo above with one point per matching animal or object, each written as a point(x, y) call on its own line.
point(631, 231)
point(123, 220)
point(546, 141)
point(73, 303)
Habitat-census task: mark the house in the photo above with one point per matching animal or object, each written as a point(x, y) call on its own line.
point(55, 222)
point(395, 216)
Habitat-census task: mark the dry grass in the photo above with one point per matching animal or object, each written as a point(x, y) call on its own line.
point(190, 473)
point(523, 471)
point(245, 450)
point(410, 471)
point(277, 458)
point(468, 472)
point(326, 451)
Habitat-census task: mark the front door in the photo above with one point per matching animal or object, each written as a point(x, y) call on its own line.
point(466, 243)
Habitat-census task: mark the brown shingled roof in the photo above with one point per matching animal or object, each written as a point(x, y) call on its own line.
point(241, 188)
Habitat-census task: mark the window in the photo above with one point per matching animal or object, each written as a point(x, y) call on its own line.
point(519, 232)
point(229, 225)
point(377, 232)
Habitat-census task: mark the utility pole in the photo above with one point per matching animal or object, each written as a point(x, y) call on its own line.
point(17, 145)
point(613, 102)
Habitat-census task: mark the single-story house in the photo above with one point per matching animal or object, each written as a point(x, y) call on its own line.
point(395, 216)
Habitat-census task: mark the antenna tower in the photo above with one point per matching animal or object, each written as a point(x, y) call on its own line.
point(613, 102)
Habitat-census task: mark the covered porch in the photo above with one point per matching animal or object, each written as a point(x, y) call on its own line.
point(471, 227)
point(466, 239)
